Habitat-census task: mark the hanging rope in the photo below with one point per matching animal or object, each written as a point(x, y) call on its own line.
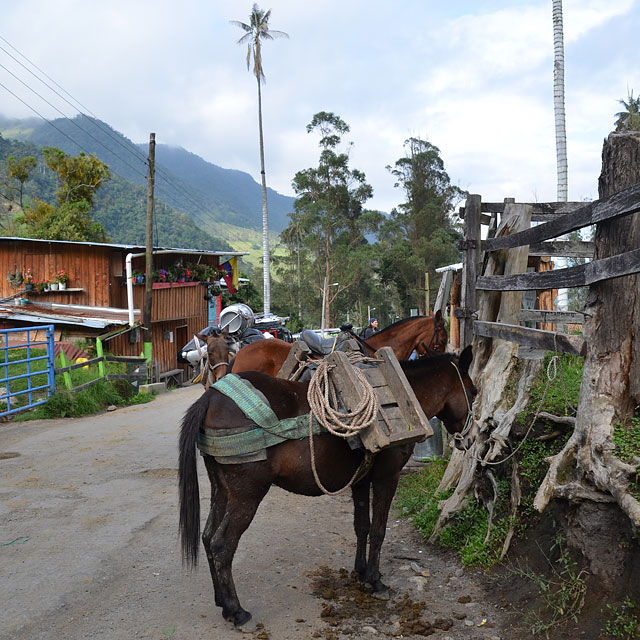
point(323, 402)
point(555, 364)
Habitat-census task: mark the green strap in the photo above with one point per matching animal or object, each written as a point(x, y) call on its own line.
point(270, 431)
point(257, 439)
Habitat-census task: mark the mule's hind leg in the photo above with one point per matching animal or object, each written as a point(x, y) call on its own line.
point(216, 513)
point(241, 504)
point(361, 524)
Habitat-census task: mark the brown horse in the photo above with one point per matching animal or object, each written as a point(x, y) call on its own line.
point(219, 355)
point(443, 388)
point(422, 333)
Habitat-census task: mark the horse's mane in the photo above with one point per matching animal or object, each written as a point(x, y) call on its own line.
point(403, 321)
point(427, 364)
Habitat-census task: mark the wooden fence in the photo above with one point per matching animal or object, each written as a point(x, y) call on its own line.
point(136, 377)
point(557, 219)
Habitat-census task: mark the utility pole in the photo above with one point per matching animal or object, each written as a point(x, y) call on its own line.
point(148, 281)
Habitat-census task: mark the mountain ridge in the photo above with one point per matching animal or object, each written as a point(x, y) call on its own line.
point(186, 182)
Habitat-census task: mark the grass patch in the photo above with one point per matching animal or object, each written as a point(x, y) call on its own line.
point(623, 621)
point(626, 438)
point(561, 594)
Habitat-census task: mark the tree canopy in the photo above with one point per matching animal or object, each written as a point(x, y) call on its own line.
point(78, 179)
point(419, 235)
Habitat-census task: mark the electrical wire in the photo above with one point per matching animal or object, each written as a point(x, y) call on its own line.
point(133, 149)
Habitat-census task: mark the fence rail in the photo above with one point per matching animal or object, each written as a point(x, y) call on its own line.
point(540, 240)
point(135, 377)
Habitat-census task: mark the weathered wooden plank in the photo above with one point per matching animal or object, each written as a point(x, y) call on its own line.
point(541, 210)
point(402, 392)
point(547, 340)
point(299, 352)
point(620, 204)
point(543, 315)
point(565, 249)
point(470, 269)
point(582, 275)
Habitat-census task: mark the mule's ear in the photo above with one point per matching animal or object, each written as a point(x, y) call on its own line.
point(465, 359)
point(225, 332)
point(438, 316)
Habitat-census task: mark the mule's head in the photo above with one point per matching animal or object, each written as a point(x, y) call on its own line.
point(456, 413)
point(434, 338)
point(218, 355)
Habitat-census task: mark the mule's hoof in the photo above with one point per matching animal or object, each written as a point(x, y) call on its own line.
point(381, 595)
point(241, 621)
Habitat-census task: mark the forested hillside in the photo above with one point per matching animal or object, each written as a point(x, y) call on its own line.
point(184, 181)
point(120, 205)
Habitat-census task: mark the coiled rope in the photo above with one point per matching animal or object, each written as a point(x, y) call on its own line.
point(323, 402)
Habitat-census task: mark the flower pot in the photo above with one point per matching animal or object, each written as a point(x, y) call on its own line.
point(54, 286)
point(29, 286)
point(62, 285)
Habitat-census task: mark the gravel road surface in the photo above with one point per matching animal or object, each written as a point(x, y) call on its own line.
point(89, 547)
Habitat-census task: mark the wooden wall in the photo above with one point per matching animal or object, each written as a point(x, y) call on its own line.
point(87, 266)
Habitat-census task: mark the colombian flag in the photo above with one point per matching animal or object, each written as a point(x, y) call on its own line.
point(231, 274)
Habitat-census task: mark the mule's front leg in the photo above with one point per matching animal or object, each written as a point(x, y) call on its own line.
point(361, 524)
point(383, 491)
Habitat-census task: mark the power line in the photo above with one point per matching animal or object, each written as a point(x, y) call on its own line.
point(133, 149)
point(73, 122)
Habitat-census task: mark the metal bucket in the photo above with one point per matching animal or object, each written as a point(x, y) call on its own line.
point(237, 318)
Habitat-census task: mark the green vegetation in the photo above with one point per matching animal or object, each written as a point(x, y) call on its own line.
point(63, 403)
point(626, 438)
point(468, 532)
point(561, 594)
point(623, 621)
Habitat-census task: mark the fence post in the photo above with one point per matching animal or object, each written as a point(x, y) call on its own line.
point(51, 364)
point(67, 374)
point(100, 353)
point(471, 261)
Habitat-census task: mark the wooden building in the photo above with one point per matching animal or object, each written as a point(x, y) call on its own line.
point(95, 301)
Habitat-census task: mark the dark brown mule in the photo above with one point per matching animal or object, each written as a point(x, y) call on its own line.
point(238, 489)
point(219, 355)
point(421, 333)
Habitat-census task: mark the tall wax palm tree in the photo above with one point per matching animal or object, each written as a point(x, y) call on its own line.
point(256, 31)
point(558, 100)
point(561, 132)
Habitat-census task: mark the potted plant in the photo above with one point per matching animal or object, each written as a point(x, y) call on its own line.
point(62, 277)
point(29, 280)
point(40, 285)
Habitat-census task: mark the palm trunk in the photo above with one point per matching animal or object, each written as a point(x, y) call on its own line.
point(561, 134)
point(265, 216)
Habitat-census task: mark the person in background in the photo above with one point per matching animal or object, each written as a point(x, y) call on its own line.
point(367, 332)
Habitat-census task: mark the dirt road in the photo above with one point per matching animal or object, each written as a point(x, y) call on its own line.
point(88, 528)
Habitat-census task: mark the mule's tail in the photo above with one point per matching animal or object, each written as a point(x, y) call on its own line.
point(188, 489)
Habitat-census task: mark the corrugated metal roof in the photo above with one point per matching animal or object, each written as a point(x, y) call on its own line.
point(97, 317)
point(129, 247)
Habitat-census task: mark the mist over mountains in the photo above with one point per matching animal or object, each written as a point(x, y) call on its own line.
point(187, 187)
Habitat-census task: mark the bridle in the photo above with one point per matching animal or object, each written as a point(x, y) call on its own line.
point(210, 379)
point(469, 420)
point(434, 343)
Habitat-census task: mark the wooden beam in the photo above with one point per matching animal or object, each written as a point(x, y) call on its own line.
point(547, 340)
point(543, 315)
point(623, 264)
point(620, 204)
point(470, 269)
point(547, 208)
point(560, 248)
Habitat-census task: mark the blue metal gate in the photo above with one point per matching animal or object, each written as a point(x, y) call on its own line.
point(27, 375)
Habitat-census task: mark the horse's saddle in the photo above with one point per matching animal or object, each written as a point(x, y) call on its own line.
point(323, 346)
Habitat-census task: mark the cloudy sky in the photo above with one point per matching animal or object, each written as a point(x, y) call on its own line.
point(475, 78)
